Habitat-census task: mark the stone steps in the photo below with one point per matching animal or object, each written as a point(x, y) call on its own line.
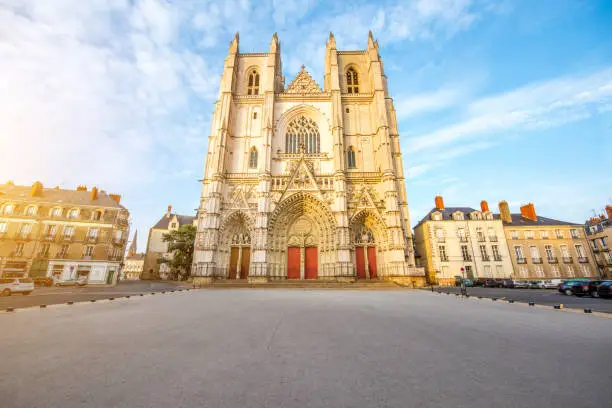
point(305, 284)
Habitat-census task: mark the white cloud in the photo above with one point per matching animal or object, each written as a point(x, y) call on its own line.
point(535, 106)
point(90, 91)
point(440, 99)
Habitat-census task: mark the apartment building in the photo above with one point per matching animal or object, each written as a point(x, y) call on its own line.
point(545, 248)
point(451, 238)
point(61, 233)
point(598, 231)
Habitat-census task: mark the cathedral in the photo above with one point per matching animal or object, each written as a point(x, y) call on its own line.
point(303, 181)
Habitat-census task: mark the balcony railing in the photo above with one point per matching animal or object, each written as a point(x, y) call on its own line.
point(583, 259)
point(497, 258)
point(596, 249)
point(67, 237)
point(553, 260)
point(467, 258)
point(463, 239)
point(121, 241)
point(608, 261)
point(481, 239)
point(444, 259)
point(536, 260)
point(86, 257)
point(49, 237)
point(493, 239)
point(61, 255)
point(91, 239)
point(23, 236)
point(567, 259)
point(486, 258)
point(440, 239)
point(521, 260)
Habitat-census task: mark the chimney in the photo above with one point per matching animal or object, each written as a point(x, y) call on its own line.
point(94, 194)
point(609, 211)
point(81, 187)
point(116, 197)
point(439, 203)
point(484, 206)
point(37, 189)
point(528, 211)
point(169, 211)
point(504, 211)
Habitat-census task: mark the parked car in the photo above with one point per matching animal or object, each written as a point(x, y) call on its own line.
point(42, 281)
point(566, 287)
point(604, 289)
point(8, 286)
point(80, 281)
point(459, 279)
point(519, 284)
point(492, 283)
point(507, 283)
point(590, 288)
point(552, 283)
point(479, 282)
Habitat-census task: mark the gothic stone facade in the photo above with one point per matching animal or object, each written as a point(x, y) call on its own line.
point(303, 182)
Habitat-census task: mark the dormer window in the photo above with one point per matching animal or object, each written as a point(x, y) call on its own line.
point(30, 210)
point(8, 209)
point(55, 212)
point(74, 213)
point(253, 83)
point(459, 216)
point(97, 215)
point(352, 81)
point(436, 216)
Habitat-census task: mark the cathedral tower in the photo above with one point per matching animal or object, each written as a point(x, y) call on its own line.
point(302, 182)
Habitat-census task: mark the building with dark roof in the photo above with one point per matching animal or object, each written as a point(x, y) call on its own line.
point(545, 248)
point(599, 233)
point(461, 241)
point(61, 233)
point(157, 248)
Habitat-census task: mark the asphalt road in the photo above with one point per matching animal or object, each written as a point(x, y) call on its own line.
point(63, 294)
point(288, 348)
point(548, 297)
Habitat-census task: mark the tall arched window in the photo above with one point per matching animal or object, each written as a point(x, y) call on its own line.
point(253, 158)
point(253, 87)
point(352, 81)
point(303, 132)
point(350, 158)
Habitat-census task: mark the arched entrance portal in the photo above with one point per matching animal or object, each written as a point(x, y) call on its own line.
point(301, 237)
point(368, 236)
point(235, 246)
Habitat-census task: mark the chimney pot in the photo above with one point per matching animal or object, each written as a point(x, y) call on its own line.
point(94, 194)
point(504, 211)
point(528, 211)
point(116, 197)
point(439, 203)
point(484, 206)
point(37, 189)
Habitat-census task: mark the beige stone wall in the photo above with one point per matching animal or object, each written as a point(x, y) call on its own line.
point(556, 267)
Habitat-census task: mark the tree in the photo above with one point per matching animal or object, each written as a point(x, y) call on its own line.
point(180, 244)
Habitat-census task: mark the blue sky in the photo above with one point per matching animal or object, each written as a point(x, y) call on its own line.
point(496, 99)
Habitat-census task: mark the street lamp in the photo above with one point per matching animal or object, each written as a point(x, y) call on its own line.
point(463, 288)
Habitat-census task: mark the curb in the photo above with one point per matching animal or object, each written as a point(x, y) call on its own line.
point(13, 309)
point(560, 307)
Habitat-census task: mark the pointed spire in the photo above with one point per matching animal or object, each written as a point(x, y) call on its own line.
point(133, 246)
point(331, 42)
point(370, 39)
point(233, 48)
point(274, 43)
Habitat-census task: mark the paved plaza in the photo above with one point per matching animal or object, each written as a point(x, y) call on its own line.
point(303, 348)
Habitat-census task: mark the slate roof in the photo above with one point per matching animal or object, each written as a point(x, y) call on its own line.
point(182, 220)
point(517, 219)
point(57, 196)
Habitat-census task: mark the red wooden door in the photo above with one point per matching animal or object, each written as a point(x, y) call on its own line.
point(233, 263)
point(372, 261)
point(311, 268)
point(246, 262)
point(293, 263)
point(360, 263)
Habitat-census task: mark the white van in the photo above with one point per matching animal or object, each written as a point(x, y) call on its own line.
point(8, 286)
